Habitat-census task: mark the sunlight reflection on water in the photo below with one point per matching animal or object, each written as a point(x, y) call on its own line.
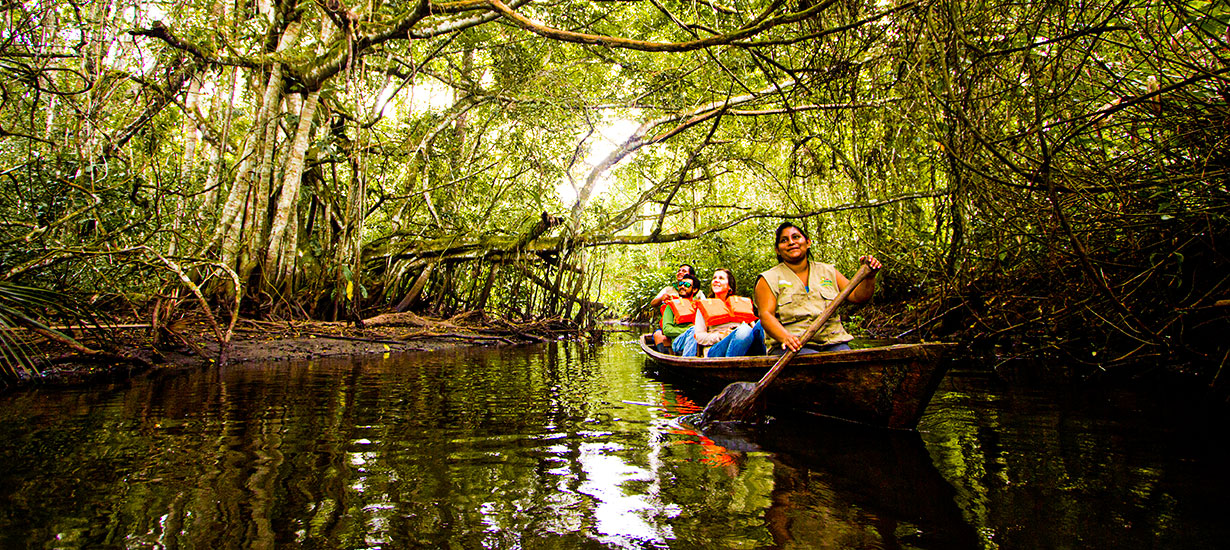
point(557, 446)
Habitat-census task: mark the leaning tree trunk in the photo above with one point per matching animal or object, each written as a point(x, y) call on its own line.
point(283, 244)
point(243, 218)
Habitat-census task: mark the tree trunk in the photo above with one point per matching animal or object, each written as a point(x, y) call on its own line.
point(481, 303)
point(191, 132)
point(283, 244)
point(415, 289)
point(218, 150)
point(244, 213)
point(227, 236)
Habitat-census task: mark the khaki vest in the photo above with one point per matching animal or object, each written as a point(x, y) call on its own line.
point(797, 308)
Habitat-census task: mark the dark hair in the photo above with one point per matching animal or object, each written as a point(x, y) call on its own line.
point(730, 279)
point(691, 270)
point(778, 236)
point(695, 282)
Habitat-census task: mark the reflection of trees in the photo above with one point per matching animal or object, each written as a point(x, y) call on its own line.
point(958, 453)
point(845, 486)
point(1051, 468)
point(494, 449)
point(716, 495)
point(336, 455)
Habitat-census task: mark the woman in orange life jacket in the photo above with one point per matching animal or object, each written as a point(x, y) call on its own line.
point(677, 316)
point(796, 291)
point(725, 324)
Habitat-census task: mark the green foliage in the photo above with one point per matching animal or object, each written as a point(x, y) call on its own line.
point(515, 63)
point(55, 206)
point(641, 286)
point(961, 144)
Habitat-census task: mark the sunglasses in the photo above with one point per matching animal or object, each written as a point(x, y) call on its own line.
point(685, 284)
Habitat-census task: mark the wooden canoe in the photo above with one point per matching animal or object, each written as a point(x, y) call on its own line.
point(887, 386)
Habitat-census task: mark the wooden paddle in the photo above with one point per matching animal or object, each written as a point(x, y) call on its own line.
point(737, 402)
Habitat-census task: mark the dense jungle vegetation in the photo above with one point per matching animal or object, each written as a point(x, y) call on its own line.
point(1040, 176)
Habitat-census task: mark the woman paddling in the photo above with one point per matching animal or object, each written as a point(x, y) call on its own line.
point(726, 325)
point(797, 290)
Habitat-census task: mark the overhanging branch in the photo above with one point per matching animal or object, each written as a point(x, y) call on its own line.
point(472, 248)
point(646, 46)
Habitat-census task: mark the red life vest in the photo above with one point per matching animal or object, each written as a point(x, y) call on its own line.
point(734, 309)
point(683, 308)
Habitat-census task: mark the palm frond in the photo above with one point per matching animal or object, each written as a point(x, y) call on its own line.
point(23, 307)
point(15, 358)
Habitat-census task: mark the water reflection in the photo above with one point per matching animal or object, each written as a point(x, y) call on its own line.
point(560, 446)
point(1039, 466)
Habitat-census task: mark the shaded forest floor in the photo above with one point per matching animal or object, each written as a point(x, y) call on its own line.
point(133, 348)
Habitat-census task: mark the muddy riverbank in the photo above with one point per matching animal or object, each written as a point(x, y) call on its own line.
point(133, 348)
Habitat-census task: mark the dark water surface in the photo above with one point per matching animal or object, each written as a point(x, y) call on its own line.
point(573, 446)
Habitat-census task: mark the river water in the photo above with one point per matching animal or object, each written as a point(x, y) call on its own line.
point(568, 445)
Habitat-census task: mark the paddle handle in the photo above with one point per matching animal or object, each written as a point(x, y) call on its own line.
point(863, 271)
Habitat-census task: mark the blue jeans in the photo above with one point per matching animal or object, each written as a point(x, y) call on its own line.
point(744, 340)
point(685, 344)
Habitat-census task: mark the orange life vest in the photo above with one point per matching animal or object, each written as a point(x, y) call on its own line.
point(734, 309)
point(683, 308)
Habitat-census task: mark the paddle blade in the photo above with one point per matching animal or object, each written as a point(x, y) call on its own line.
point(736, 403)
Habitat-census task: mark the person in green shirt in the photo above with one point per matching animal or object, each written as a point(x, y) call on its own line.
point(666, 339)
point(672, 291)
